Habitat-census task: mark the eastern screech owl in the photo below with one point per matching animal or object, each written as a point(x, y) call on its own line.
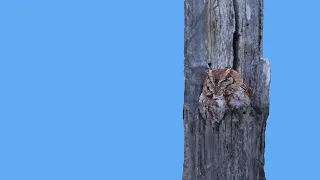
point(222, 89)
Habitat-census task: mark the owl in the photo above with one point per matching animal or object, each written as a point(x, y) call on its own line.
point(223, 89)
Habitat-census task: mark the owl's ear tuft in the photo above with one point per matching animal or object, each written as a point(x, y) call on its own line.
point(228, 71)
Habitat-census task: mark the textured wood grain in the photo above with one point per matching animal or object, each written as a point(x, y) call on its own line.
point(223, 34)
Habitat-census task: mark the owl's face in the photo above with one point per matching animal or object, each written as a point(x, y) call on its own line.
point(224, 83)
point(221, 82)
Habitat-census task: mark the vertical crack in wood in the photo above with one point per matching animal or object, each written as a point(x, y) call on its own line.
point(261, 27)
point(236, 35)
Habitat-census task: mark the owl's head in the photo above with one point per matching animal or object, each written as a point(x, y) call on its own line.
point(223, 83)
point(220, 82)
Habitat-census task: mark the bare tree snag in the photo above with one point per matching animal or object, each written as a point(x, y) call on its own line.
point(226, 98)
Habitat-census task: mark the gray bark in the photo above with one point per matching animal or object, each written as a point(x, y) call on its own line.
point(225, 34)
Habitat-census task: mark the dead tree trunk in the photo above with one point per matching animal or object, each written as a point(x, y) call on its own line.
point(224, 112)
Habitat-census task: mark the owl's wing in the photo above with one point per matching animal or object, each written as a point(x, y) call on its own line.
point(246, 88)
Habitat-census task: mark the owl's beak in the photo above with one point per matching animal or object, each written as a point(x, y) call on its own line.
point(214, 97)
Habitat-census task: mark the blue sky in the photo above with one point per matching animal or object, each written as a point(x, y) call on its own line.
point(94, 89)
point(291, 42)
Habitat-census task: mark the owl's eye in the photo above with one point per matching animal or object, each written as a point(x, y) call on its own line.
point(229, 80)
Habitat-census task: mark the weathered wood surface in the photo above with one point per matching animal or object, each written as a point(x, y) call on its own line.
point(225, 34)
